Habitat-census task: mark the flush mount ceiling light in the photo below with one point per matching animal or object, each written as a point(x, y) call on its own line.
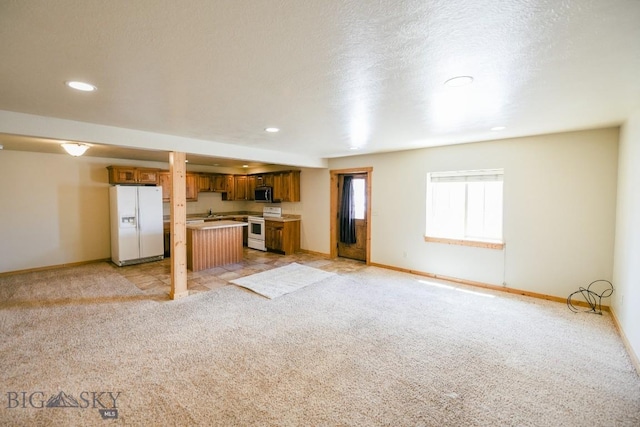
point(498, 128)
point(271, 130)
point(459, 81)
point(75, 149)
point(85, 87)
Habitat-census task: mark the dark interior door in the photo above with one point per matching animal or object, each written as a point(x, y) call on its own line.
point(353, 248)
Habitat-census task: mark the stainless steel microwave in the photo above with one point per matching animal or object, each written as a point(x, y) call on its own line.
point(263, 194)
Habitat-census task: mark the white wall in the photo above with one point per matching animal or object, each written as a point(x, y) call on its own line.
point(315, 210)
point(54, 210)
point(559, 202)
point(627, 247)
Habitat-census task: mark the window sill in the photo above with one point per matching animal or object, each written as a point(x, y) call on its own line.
point(463, 242)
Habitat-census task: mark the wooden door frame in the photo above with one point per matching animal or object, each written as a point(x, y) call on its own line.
point(334, 174)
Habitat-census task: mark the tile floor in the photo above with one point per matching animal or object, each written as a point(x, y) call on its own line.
point(154, 278)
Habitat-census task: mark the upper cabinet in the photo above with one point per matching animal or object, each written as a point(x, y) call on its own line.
point(229, 193)
point(251, 187)
point(133, 175)
point(266, 179)
point(240, 187)
point(192, 187)
point(204, 182)
point(219, 183)
point(164, 179)
point(286, 186)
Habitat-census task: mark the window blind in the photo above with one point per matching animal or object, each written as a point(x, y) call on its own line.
point(485, 175)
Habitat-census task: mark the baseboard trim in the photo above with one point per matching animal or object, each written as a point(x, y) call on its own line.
point(485, 285)
point(635, 360)
point(53, 267)
point(307, 251)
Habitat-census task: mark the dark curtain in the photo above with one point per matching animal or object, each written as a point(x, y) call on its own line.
point(347, 213)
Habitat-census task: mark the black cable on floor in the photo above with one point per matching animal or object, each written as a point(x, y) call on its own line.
point(593, 299)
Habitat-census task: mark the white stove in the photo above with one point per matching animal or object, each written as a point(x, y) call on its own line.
point(256, 239)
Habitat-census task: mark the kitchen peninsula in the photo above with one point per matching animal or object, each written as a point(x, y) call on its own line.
point(211, 244)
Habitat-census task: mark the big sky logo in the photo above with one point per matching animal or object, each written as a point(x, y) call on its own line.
point(105, 401)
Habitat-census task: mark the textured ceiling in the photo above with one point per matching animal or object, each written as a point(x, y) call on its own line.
point(208, 76)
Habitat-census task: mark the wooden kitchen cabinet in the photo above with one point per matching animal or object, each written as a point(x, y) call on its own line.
point(204, 182)
point(263, 179)
point(164, 179)
point(282, 236)
point(192, 187)
point(133, 175)
point(229, 194)
point(286, 186)
point(219, 183)
point(251, 187)
point(273, 232)
point(291, 186)
point(240, 187)
point(277, 187)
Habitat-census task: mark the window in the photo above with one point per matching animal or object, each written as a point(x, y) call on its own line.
point(359, 197)
point(465, 206)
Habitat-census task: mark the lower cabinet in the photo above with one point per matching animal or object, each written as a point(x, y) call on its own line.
point(273, 236)
point(282, 236)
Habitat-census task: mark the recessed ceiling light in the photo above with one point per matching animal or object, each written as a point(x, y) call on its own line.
point(245, 166)
point(85, 87)
point(459, 81)
point(271, 130)
point(354, 148)
point(498, 128)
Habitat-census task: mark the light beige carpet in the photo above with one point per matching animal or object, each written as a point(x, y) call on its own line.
point(370, 348)
point(282, 280)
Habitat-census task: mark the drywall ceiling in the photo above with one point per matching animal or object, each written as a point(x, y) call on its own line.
point(337, 77)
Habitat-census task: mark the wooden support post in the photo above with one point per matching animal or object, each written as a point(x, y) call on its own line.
point(178, 171)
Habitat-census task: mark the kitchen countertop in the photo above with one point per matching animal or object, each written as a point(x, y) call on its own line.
point(209, 225)
point(217, 216)
point(284, 218)
point(233, 216)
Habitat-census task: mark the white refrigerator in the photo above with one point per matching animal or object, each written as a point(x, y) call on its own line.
point(136, 224)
